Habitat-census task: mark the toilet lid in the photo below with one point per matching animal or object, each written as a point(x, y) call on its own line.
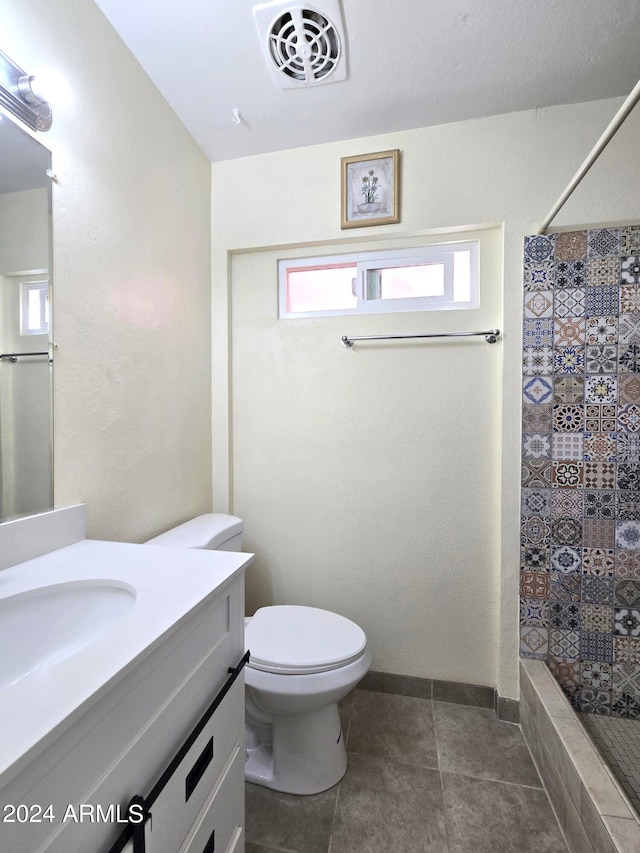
point(295, 640)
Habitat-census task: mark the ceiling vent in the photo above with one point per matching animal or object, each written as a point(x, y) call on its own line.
point(303, 45)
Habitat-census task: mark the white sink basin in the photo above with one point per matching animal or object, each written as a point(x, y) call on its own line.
point(43, 626)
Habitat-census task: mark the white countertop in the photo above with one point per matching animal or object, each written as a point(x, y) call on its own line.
point(169, 584)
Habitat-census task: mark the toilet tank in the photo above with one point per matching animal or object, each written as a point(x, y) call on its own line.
point(214, 531)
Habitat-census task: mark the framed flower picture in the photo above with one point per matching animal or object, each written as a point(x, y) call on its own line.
point(370, 189)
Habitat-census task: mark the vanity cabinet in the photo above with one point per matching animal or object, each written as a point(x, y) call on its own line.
point(180, 709)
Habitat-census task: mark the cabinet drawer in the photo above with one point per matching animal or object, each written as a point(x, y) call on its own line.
point(220, 826)
point(198, 774)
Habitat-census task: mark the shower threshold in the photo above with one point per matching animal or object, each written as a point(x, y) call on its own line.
point(618, 740)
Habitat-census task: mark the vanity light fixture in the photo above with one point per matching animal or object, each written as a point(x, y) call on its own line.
point(19, 95)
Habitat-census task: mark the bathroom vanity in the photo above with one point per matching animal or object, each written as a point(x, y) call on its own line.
point(122, 701)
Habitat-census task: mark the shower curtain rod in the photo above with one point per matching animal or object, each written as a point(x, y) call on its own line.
point(593, 155)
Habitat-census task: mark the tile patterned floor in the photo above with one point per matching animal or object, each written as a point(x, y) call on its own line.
point(618, 739)
point(423, 777)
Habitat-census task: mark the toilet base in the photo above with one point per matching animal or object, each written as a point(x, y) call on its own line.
point(297, 754)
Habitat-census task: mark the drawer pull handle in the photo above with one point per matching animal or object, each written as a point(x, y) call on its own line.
point(197, 771)
point(210, 846)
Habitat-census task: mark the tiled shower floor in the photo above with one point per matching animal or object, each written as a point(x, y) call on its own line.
point(618, 739)
point(423, 777)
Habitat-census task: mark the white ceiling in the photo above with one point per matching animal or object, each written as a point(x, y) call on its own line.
point(411, 63)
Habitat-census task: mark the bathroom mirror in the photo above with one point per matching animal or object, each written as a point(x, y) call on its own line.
point(26, 475)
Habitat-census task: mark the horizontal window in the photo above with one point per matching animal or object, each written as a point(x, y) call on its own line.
point(430, 278)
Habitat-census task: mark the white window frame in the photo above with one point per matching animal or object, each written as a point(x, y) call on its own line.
point(25, 288)
point(368, 262)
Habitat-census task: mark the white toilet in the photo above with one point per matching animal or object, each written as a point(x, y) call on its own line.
point(303, 662)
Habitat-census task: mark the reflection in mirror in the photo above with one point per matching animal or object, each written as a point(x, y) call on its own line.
point(26, 476)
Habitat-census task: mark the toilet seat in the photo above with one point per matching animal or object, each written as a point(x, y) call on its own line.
point(296, 640)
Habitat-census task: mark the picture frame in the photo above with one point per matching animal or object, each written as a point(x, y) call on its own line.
point(369, 189)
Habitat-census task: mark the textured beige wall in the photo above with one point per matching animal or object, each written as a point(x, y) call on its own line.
point(507, 169)
point(131, 279)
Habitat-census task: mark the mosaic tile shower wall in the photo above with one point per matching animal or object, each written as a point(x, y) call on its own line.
point(580, 541)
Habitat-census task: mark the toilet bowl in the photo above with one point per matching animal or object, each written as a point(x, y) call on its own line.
point(303, 661)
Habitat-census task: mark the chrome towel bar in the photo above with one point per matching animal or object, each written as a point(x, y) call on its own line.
point(490, 336)
point(14, 356)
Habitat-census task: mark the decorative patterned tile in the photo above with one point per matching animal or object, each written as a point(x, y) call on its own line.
point(598, 562)
point(603, 272)
point(628, 506)
point(535, 558)
point(596, 646)
point(536, 473)
point(598, 533)
point(534, 642)
point(627, 564)
point(597, 590)
point(538, 303)
point(537, 390)
point(603, 242)
point(601, 390)
point(599, 504)
point(536, 445)
point(564, 587)
point(533, 611)
point(568, 302)
point(541, 247)
point(628, 447)
point(566, 560)
point(602, 300)
point(627, 622)
point(572, 245)
point(630, 269)
point(568, 360)
point(537, 417)
point(629, 476)
point(628, 389)
point(600, 446)
point(566, 671)
point(629, 417)
point(567, 417)
point(534, 584)
point(602, 358)
point(600, 418)
point(537, 361)
point(627, 593)
point(629, 239)
point(567, 531)
point(626, 678)
point(629, 328)
point(595, 674)
point(568, 389)
point(538, 275)
point(567, 474)
point(538, 333)
point(628, 535)
point(602, 330)
point(536, 502)
point(535, 531)
point(564, 615)
point(596, 618)
point(595, 701)
point(629, 299)
point(600, 475)
point(629, 358)
point(564, 644)
point(625, 705)
point(626, 650)
point(567, 446)
point(569, 331)
point(566, 503)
